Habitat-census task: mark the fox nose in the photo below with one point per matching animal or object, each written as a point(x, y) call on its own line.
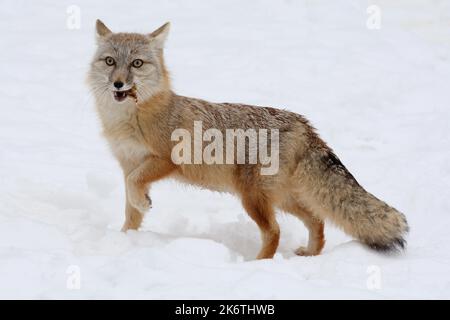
point(118, 84)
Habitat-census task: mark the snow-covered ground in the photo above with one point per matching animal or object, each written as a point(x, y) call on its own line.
point(379, 97)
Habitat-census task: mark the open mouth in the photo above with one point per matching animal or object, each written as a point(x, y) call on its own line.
point(122, 95)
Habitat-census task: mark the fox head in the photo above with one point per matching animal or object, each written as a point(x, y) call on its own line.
point(128, 65)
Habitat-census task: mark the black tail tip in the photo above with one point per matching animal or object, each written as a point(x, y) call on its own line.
point(395, 246)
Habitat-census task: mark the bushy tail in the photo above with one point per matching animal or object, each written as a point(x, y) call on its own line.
point(333, 193)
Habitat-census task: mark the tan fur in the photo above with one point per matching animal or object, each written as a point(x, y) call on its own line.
point(311, 183)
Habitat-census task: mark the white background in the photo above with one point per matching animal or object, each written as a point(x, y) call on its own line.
point(380, 98)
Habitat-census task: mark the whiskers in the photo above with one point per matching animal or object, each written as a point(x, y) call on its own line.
point(144, 91)
point(99, 85)
point(99, 91)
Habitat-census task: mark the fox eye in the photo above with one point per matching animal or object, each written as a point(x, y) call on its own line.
point(109, 61)
point(137, 63)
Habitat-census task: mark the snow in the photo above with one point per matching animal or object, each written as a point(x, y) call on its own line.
point(378, 97)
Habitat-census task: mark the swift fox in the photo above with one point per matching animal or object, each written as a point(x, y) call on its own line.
point(139, 114)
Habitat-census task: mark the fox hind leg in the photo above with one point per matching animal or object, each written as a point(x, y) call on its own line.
point(315, 226)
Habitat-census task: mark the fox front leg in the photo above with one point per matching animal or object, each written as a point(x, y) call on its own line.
point(133, 217)
point(138, 181)
point(137, 192)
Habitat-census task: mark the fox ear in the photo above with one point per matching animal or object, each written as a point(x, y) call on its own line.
point(102, 30)
point(159, 36)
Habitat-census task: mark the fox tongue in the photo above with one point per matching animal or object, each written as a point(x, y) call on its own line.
point(120, 95)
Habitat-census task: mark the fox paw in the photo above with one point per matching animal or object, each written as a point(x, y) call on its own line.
point(141, 202)
point(305, 252)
